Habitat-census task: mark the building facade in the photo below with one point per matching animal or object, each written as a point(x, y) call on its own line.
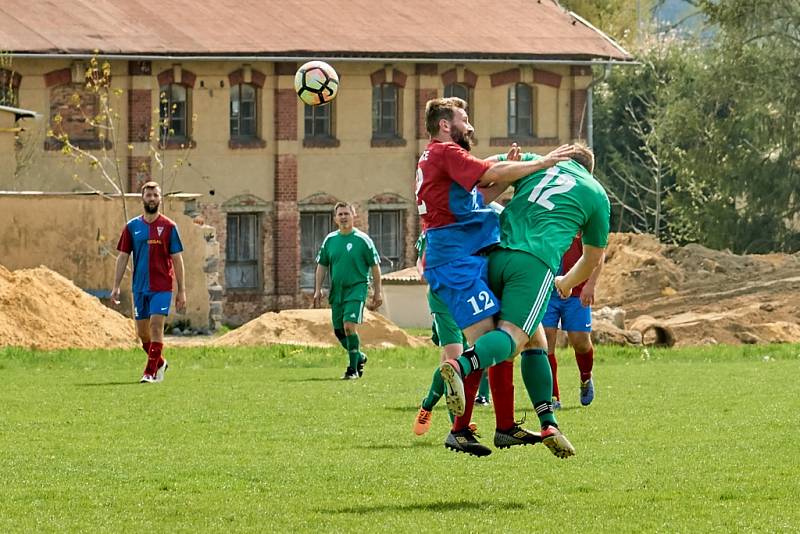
point(270, 168)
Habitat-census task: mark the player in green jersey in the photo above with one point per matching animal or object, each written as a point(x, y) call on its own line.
point(546, 211)
point(352, 260)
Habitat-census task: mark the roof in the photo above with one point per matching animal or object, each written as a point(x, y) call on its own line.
point(411, 29)
point(409, 276)
point(19, 112)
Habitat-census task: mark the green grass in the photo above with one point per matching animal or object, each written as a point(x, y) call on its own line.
point(269, 440)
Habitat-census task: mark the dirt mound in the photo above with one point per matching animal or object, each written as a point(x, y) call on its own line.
point(313, 328)
point(41, 309)
point(703, 296)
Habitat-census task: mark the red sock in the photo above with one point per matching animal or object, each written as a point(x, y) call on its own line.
point(471, 384)
point(501, 382)
point(585, 363)
point(154, 357)
point(554, 369)
point(146, 346)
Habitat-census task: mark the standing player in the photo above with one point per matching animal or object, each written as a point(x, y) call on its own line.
point(575, 316)
point(547, 210)
point(156, 246)
point(352, 260)
point(459, 230)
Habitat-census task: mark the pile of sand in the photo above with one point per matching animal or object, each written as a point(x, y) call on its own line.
point(702, 296)
point(41, 309)
point(313, 328)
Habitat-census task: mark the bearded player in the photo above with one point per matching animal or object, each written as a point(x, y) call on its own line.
point(156, 246)
point(459, 230)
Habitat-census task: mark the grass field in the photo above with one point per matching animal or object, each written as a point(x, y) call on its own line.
point(270, 440)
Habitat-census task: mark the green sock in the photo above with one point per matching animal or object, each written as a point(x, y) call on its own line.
point(483, 389)
point(435, 393)
point(352, 350)
point(491, 348)
point(539, 382)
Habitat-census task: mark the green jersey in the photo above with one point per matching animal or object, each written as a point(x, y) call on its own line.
point(349, 258)
point(550, 207)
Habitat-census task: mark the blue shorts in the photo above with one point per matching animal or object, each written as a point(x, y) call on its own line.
point(574, 316)
point(147, 303)
point(464, 288)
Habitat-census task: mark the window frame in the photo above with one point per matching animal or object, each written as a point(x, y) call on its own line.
point(255, 118)
point(515, 120)
point(310, 261)
point(166, 102)
point(310, 117)
point(395, 262)
point(257, 259)
point(378, 112)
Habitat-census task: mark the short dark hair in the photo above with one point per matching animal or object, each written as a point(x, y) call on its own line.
point(441, 108)
point(150, 185)
point(347, 205)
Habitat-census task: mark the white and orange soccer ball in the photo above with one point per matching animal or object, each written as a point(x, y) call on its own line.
point(316, 83)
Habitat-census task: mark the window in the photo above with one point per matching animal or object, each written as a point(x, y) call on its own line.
point(318, 121)
point(173, 112)
point(386, 231)
point(243, 111)
point(314, 226)
point(242, 255)
point(459, 90)
point(384, 110)
point(520, 110)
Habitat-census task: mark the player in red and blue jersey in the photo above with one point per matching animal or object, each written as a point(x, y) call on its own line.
point(156, 246)
point(574, 315)
point(459, 229)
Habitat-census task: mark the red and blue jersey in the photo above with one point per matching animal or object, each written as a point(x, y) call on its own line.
point(570, 258)
point(152, 245)
point(454, 217)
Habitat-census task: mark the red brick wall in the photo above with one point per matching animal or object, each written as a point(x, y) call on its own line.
point(505, 77)
point(140, 110)
point(138, 171)
point(578, 114)
point(287, 230)
point(285, 115)
point(422, 97)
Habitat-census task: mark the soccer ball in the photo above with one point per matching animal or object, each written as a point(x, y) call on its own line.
point(316, 83)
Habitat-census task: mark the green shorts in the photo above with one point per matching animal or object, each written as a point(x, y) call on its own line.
point(445, 330)
point(350, 311)
point(523, 284)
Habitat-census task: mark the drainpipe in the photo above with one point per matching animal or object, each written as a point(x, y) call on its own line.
point(590, 107)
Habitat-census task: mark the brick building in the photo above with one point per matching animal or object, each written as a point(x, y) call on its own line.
point(268, 167)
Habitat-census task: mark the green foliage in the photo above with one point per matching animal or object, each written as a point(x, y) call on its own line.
point(270, 440)
point(705, 132)
point(623, 20)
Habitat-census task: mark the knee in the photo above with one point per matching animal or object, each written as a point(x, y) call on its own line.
point(349, 329)
point(582, 342)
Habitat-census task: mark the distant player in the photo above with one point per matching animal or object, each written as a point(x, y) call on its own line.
point(547, 210)
point(156, 246)
point(460, 229)
point(352, 260)
point(574, 314)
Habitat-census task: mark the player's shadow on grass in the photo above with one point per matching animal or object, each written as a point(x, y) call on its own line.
point(100, 384)
point(315, 379)
point(394, 446)
point(405, 409)
point(449, 506)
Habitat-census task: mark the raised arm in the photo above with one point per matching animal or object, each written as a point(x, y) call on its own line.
point(508, 172)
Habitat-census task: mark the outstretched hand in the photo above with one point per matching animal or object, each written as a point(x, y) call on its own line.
point(562, 153)
point(513, 153)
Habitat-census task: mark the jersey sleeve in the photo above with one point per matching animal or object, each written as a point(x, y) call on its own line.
point(374, 257)
point(595, 231)
point(462, 167)
point(175, 244)
point(125, 241)
point(322, 256)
